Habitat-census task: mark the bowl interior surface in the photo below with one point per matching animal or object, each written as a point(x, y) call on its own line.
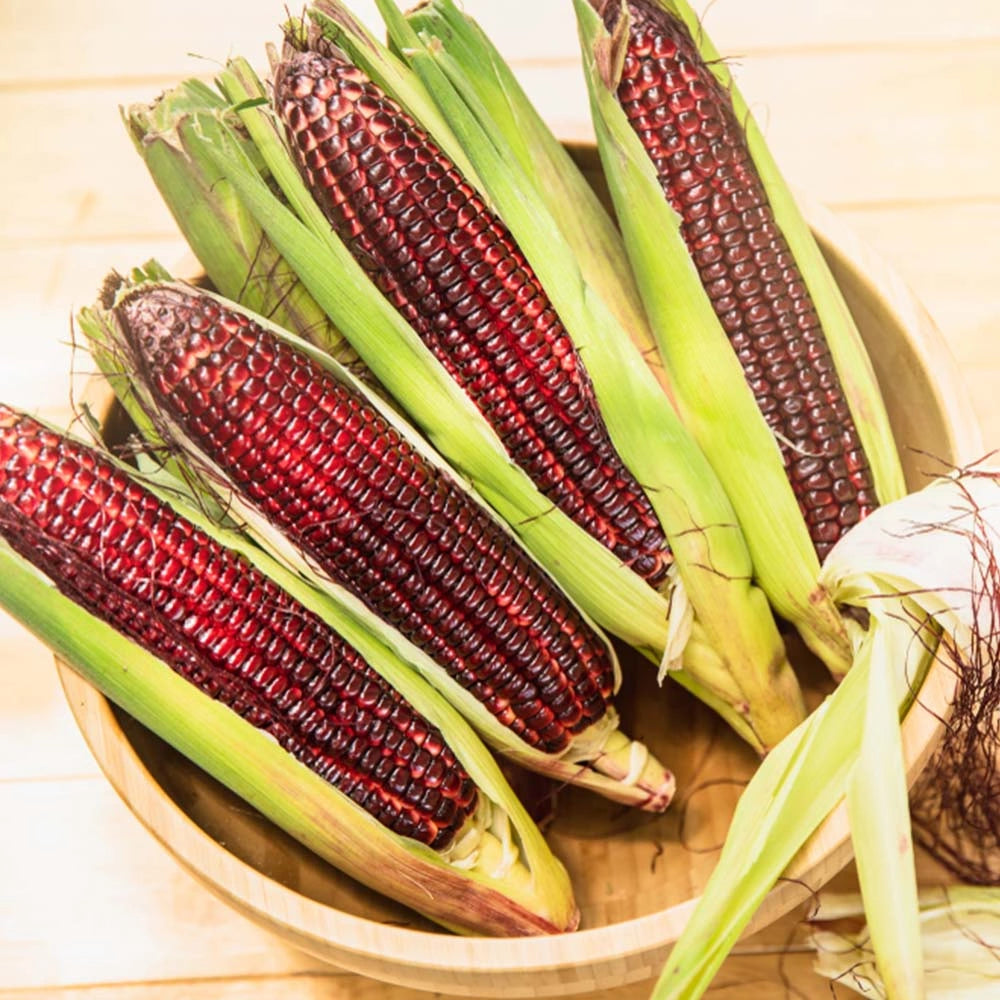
point(626, 866)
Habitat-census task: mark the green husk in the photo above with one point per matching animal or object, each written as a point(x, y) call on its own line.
point(879, 813)
point(922, 567)
point(232, 247)
point(601, 758)
point(711, 557)
point(796, 787)
point(529, 893)
point(713, 397)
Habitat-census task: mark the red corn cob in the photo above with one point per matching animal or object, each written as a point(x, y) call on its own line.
point(129, 559)
point(454, 272)
point(371, 511)
point(686, 122)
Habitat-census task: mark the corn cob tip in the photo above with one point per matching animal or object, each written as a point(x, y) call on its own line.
point(111, 286)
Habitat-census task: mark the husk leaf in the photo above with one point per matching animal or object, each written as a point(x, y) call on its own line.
point(923, 568)
point(959, 935)
point(230, 244)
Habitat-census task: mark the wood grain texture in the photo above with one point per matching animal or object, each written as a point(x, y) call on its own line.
point(886, 110)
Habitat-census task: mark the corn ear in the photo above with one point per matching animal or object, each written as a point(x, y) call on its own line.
point(848, 349)
point(712, 559)
point(514, 885)
point(600, 758)
point(710, 386)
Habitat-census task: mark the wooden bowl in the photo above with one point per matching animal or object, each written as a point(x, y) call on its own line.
point(637, 877)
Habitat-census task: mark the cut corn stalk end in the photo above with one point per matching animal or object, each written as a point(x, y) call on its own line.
point(606, 761)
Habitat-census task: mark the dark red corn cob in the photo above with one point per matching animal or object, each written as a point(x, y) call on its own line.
point(454, 272)
point(129, 559)
point(686, 122)
point(339, 481)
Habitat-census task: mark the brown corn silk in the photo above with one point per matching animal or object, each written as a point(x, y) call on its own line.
point(955, 807)
point(371, 512)
point(686, 122)
point(117, 550)
point(454, 272)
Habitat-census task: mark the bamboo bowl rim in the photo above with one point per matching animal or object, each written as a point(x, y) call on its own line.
point(410, 956)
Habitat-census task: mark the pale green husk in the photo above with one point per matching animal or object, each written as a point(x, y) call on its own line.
point(473, 894)
point(879, 813)
point(921, 567)
point(600, 758)
point(959, 938)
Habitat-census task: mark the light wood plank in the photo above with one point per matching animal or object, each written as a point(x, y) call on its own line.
point(863, 127)
point(765, 977)
point(38, 737)
point(81, 178)
point(102, 902)
point(42, 288)
point(116, 39)
point(949, 255)
point(47, 43)
point(770, 25)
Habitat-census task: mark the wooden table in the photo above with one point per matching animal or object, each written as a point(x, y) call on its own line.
point(886, 112)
